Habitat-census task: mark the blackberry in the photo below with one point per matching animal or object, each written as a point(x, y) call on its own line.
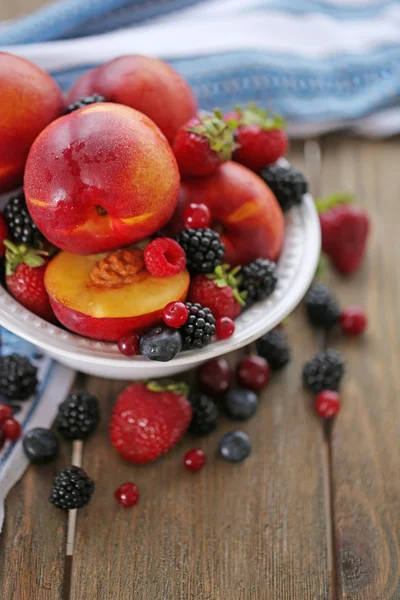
point(20, 224)
point(78, 416)
point(199, 327)
point(258, 279)
point(203, 248)
point(205, 414)
point(287, 183)
point(322, 307)
point(18, 377)
point(86, 101)
point(274, 348)
point(72, 488)
point(324, 371)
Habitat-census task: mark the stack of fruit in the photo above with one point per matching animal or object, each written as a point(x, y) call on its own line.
point(142, 221)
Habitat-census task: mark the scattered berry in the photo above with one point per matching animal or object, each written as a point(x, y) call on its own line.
point(2, 437)
point(240, 404)
point(287, 183)
point(203, 247)
point(274, 348)
point(161, 343)
point(78, 416)
point(175, 314)
point(235, 446)
point(353, 321)
point(127, 494)
point(82, 102)
point(18, 377)
point(22, 229)
point(196, 215)
point(219, 291)
point(72, 488)
point(128, 344)
point(259, 279)
point(164, 257)
point(225, 328)
point(194, 460)
point(324, 371)
point(199, 328)
point(322, 307)
point(253, 373)
point(327, 404)
point(6, 412)
point(215, 377)
point(12, 429)
point(205, 414)
point(3, 235)
point(40, 445)
point(149, 419)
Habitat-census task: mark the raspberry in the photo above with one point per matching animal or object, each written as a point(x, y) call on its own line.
point(164, 258)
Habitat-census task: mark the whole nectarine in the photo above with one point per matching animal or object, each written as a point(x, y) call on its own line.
point(100, 178)
point(29, 100)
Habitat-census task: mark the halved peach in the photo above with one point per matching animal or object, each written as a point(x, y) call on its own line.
point(103, 296)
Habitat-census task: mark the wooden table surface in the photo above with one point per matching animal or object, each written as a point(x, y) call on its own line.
point(313, 514)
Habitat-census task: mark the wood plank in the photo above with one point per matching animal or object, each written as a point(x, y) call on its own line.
point(365, 440)
point(10, 9)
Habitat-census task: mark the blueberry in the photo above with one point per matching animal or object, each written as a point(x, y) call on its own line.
point(161, 343)
point(40, 445)
point(239, 403)
point(235, 446)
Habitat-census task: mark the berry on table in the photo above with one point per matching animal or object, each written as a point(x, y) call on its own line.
point(78, 416)
point(86, 101)
point(22, 229)
point(198, 330)
point(240, 404)
point(253, 373)
point(196, 215)
point(161, 343)
point(194, 459)
point(3, 235)
point(127, 494)
point(353, 321)
point(235, 446)
point(203, 247)
point(258, 279)
point(204, 414)
point(225, 328)
point(2, 437)
point(219, 291)
point(40, 445)
point(324, 372)
point(164, 257)
point(274, 348)
point(327, 404)
point(12, 429)
point(129, 343)
point(72, 488)
point(322, 307)
point(215, 377)
point(287, 183)
point(175, 314)
point(18, 377)
point(6, 412)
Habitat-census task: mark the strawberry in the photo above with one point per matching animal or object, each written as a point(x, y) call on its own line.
point(25, 269)
point(3, 235)
point(261, 138)
point(203, 144)
point(345, 229)
point(148, 419)
point(218, 291)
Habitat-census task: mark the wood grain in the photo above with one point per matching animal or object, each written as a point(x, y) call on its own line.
point(10, 9)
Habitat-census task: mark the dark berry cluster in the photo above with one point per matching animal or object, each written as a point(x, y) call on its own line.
point(203, 248)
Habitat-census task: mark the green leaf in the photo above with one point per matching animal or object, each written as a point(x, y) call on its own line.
point(168, 385)
point(325, 204)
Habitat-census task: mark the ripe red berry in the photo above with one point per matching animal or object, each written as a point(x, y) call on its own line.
point(224, 328)
point(128, 344)
point(164, 257)
point(127, 494)
point(194, 459)
point(197, 215)
point(327, 404)
point(3, 235)
point(253, 373)
point(215, 377)
point(353, 321)
point(6, 412)
point(12, 429)
point(175, 314)
point(2, 438)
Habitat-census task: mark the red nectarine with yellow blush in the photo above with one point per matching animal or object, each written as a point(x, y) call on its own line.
point(29, 100)
point(100, 178)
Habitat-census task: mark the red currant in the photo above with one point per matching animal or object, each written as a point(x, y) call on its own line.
point(12, 429)
point(127, 494)
point(128, 344)
point(353, 320)
point(327, 404)
point(196, 215)
point(224, 328)
point(6, 412)
point(2, 438)
point(253, 373)
point(175, 314)
point(194, 460)
point(215, 377)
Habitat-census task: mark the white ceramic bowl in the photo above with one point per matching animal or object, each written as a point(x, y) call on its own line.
point(296, 268)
